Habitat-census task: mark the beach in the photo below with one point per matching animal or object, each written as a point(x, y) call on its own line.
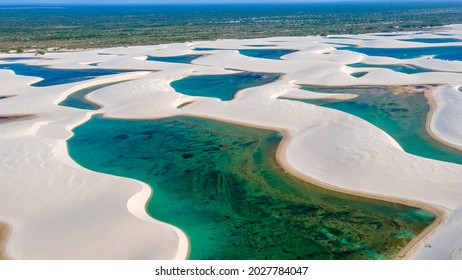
point(54, 211)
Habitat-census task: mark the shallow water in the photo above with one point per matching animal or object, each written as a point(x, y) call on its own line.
point(52, 76)
point(221, 86)
point(175, 59)
point(78, 100)
point(210, 49)
point(402, 116)
point(450, 56)
point(359, 74)
point(260, 46)
point(13, 59)
point(221, 184)
point(275, 54)
point(402, 68)
point(433, 40)
point(266, 53)
point(446, 53)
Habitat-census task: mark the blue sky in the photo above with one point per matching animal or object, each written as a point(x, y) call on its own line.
point(178, 1)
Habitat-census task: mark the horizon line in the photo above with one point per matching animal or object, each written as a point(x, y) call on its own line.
point(207, 2)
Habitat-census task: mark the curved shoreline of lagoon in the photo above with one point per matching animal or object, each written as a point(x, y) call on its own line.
point(403, 112)
point(219, 208)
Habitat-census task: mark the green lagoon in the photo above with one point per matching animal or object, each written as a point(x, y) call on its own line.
point(222, 185)
point(399, 111)
point(223, 87)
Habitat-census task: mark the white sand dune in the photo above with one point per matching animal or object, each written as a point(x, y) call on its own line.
point(446, 121)
point(55, 209)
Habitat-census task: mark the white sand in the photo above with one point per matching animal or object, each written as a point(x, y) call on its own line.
point(56, 209)
point(446, 121)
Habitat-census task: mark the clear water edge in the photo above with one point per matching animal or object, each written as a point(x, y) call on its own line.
point(402, 254)
point(432, 104)
point(280, 151)
point(224, 87)
point(78, 100)
point(385, 110)
point(403, 233)
point(337, 190)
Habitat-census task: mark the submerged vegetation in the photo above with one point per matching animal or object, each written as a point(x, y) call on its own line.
point(222, 185)
point(42, 27)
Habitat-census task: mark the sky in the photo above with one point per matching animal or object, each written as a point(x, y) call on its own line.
point(179, 1)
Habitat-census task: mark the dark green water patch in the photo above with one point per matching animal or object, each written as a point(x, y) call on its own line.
point(222, 86)
point(399, 111)
point(359, 74)
point(222, 185)
point(78, 100)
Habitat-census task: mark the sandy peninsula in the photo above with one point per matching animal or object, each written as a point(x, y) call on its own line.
point(56, 209)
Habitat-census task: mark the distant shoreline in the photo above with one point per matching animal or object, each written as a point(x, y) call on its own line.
point(76, 27)
point(39, 52)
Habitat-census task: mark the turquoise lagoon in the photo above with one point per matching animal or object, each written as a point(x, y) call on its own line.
point(222, 86)
point(445, 53)
point(222, 185)
point(256, 53)
point(175, 59)
point(433, 40)
point(266, 53)
point(403, 116)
